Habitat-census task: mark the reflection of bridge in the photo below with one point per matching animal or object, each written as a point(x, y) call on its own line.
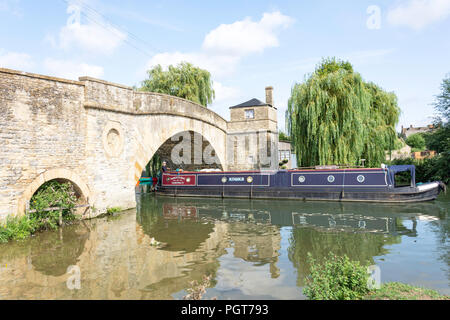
point(96, 134)
point(118, 261)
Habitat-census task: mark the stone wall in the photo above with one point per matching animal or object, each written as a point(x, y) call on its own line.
point(42, 127)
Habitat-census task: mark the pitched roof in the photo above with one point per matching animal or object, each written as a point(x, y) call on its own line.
point(251, 103)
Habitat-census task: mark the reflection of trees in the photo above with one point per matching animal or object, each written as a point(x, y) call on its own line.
point(442, 231)
point(357, 246)
point(53, 252)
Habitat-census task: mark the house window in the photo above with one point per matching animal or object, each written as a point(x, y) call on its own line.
point(250, 114)
point(284, 155)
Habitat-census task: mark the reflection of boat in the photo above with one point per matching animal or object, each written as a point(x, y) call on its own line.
point(175, 211)
point(360, 185)
point(344, 222)
point(331, 216)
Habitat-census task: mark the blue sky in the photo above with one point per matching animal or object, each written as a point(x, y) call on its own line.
point(403, 46)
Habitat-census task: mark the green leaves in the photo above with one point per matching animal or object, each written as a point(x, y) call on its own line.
point(442, 105)
point(337, 278)
point(416, 141)
point(334, 117)
point(184, 81)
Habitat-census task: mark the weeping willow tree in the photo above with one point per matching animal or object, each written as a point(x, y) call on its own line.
point(184, 81)
point(334, 117)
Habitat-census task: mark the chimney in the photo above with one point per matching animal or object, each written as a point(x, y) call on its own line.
point(269, 95)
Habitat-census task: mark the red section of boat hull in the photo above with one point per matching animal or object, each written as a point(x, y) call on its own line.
point(179, 180)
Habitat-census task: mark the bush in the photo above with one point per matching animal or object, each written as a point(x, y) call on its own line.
point(18, 228)
point(51, 194)
point(337, 278)
point(434, 169)
point(416, 142)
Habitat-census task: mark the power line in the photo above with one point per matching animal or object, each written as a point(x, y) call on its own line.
point(83, 4)
point(115, 33)
point(111, 27)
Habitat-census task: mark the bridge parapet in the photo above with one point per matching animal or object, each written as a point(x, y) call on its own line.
point(105, 95)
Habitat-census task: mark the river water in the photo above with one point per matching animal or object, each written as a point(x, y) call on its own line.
point(251, 249)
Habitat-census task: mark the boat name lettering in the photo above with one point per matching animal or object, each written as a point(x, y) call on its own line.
point(236, 179)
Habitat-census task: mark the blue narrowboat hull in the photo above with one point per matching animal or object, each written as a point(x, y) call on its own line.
point(366, 185)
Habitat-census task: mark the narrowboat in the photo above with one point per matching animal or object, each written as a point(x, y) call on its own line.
point(330, 183)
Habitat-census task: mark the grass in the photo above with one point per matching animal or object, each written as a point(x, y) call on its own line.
point(339, 278)
point(17, 228)
point(111, 211)
point(401, 291)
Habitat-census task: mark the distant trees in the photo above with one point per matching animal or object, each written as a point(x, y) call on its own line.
point(184, 81)
point(283, 136)
point(442, 105)
point(437, 168)
point(416, 142)
point(335, 117)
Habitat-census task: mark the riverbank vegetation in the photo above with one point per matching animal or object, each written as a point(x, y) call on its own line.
point(335, 117)
point(339, 278)
point(51, 206)
point(437, 168)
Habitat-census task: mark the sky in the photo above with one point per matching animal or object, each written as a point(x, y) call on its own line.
point(401, 45)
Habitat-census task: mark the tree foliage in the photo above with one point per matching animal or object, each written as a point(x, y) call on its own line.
point(283, 136)
point(442, 104)
point(438, 140)
point(184, 81)
point(335, 117)
point(416, 141)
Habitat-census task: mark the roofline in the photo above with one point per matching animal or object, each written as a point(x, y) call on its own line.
point(260, 105)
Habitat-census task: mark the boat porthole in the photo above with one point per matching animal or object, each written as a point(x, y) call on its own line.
point(360, 178)
point(224, 180)
point(301, 179)
point(188, 180)
point(168, 178)
point(249, 179)
point(330, 179)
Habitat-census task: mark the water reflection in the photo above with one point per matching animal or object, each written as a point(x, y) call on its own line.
point(252, 249)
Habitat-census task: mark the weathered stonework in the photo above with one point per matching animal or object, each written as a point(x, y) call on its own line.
point(97, 134)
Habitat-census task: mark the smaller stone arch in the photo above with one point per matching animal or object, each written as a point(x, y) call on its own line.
point(81, 188)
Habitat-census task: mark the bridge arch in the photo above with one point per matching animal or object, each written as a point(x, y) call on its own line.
point(81, 188)
point(150, 140)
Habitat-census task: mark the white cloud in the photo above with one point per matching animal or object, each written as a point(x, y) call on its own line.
point(225, 46)
point(417, 14)
point(246, 37)
point(97, 36)
point(71, 69)
point(15, 60)
point(91, 38)
point(224, 93)
point(225, 97)
point(11, 6)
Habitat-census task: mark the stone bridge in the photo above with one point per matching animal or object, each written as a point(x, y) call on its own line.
point(95, 134)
